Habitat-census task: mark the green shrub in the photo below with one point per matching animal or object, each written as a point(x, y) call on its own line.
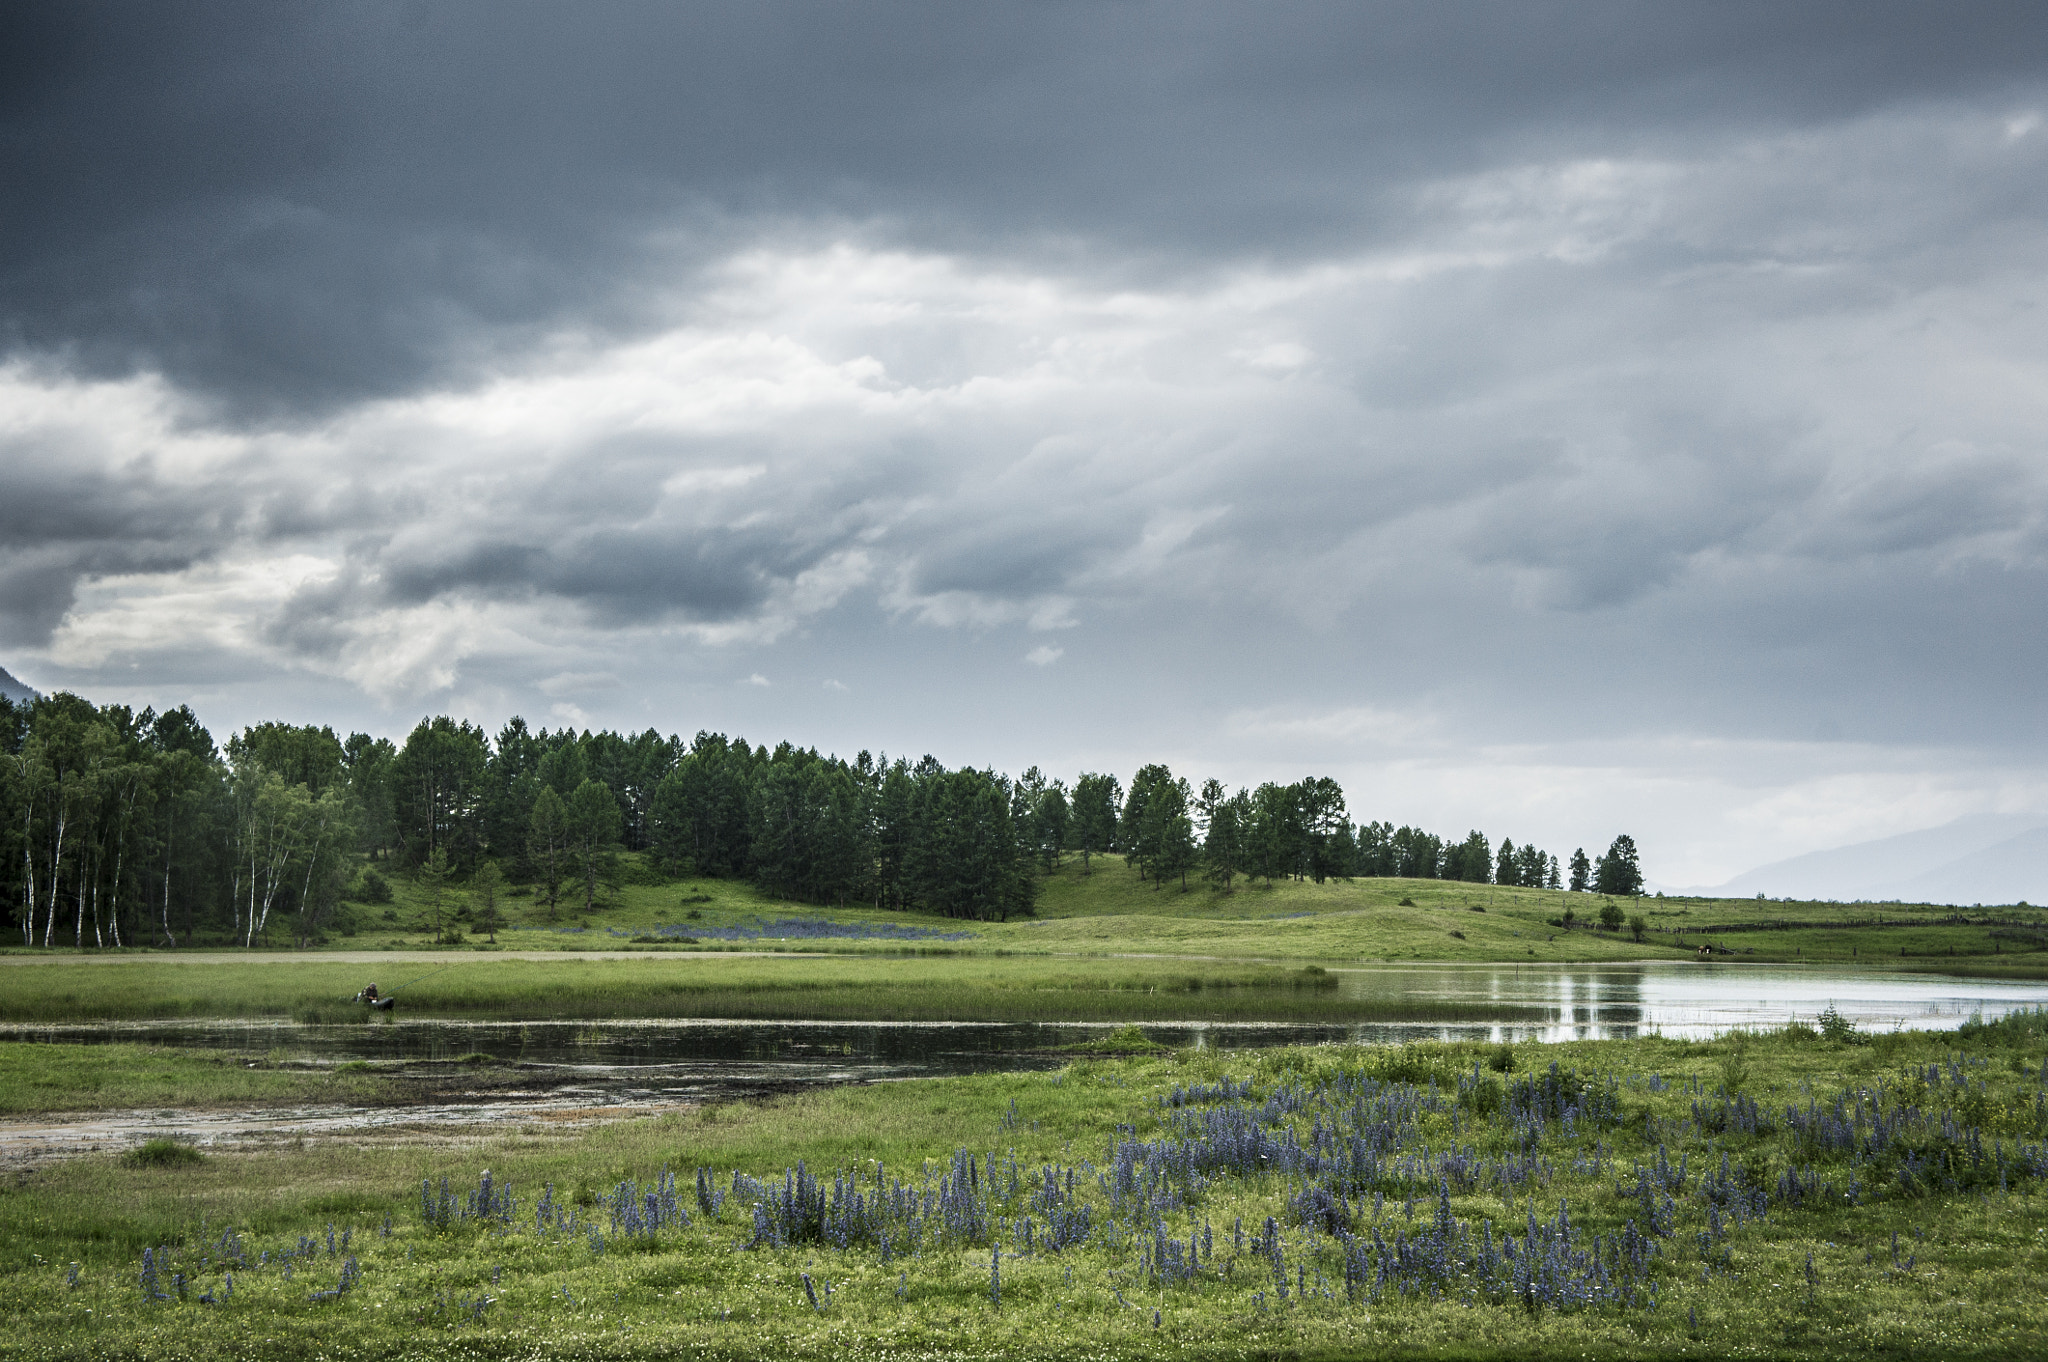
point(1481, 1097)
point(1836, 1027)
point(162, 1152)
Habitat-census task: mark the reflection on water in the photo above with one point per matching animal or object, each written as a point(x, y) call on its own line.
point(1565, 1001)
point(1593, 1002)
point(584, 1070)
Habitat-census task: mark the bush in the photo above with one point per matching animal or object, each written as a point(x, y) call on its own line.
point(163, 1152)
point(1836, 1027)
point(1611, 917)
point(1638, 926)
point(371, 887)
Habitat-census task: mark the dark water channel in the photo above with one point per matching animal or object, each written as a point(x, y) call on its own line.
point(602, 1070)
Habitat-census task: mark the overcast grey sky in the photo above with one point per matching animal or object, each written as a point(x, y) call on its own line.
point(1555, 419)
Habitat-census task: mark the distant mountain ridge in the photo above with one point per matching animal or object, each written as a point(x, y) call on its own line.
point(1983, 858)
point(12, 689)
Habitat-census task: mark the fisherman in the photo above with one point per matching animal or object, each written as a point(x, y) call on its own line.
point(369, 995)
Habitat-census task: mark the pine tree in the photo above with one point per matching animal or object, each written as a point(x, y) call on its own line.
point(1581, 870)
point(1094, 815)
point(1137, 835)
point(1273, 838)
point(483, 899)
point(1224, 818)
point(547, 845)
point(1170, 833)
point(1618, 871)
point(1321, 802)
point(1050, 816)
point(594, 826)
point(1471, 859)
point(432, 880)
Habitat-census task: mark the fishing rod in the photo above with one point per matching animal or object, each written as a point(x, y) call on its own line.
point(417, 977)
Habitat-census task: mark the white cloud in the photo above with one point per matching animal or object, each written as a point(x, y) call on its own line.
point(1710, 446)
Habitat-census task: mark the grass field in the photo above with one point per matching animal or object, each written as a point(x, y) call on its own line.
point(313, 988)
point(1112, 912)
point(1790, 1193)
point(63, 1078)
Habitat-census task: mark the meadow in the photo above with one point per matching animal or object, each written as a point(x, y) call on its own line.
point(1808, 1191)
point(317, 988)
point(1105, 909)
point(38, 1079)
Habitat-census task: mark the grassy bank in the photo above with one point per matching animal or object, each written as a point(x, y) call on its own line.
point(941, 988)
point(1107, 909)
point(1789, 1194)
point(64, 1078)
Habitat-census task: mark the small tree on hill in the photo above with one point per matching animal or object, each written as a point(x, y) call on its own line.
point(484, 887)
point(1618, 871)
point(433, 884)
point(1582, 870)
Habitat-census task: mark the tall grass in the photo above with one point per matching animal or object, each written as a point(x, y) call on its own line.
point(834, 989)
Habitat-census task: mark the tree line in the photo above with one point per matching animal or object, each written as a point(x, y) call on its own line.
point(125, 828)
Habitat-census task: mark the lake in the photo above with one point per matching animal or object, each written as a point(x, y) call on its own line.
point(604, 1070)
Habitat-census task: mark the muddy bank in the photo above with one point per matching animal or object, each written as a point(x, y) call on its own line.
point(421, 1103)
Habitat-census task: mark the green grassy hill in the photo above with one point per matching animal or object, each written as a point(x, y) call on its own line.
point(1108, 909)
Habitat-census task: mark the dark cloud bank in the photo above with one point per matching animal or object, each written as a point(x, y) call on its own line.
point(1635, 397)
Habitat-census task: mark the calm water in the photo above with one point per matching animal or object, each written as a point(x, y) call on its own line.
point(1592, 1002)
point(623, 1067)
point(1561, 1001)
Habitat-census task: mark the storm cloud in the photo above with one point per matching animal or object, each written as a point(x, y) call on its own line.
point(1542, 417)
